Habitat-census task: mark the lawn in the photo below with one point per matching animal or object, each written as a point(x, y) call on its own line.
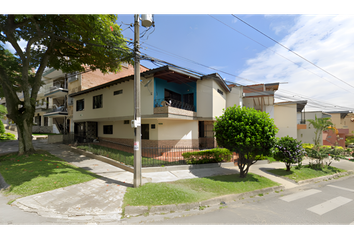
point(193, 190)
point(305, 172)
point(40, 172)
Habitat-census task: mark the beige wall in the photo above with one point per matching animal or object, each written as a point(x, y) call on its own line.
point(219, 100)
point(234, 97)
point(114, 106)
point(165, 129)
point(344, 123)
point(210, 103)
point(285, 119)
point(177, 129)
point(204, 98)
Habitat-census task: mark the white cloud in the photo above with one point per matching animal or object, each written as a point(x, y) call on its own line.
point(326, 41)
point(22, 43)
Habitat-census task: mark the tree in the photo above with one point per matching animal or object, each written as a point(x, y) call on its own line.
point(289, 151)
point(2, 114)
point(66, 42)
point(320, 124)
point(247, 132)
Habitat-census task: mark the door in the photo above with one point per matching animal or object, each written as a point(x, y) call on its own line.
point(145, 131)
point(188, 101)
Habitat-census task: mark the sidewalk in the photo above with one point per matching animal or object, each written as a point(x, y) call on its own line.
point(100, 200)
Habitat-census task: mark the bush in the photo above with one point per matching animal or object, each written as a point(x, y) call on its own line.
point(2, 128)
point(289, 151)
point(208, 156)
point(7, 136)
point(247, 132)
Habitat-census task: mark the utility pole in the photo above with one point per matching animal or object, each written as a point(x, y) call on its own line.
point(137, 103)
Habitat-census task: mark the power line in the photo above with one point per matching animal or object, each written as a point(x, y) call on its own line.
point(315, 103)
point(276, 52)
point(292, 51)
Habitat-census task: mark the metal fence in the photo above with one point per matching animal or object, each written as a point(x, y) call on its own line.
point(151, 156)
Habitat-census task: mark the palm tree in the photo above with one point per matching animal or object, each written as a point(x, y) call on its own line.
point(320, 124)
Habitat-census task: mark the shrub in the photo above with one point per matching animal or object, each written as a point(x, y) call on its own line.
point(208, 156)
point(289, 151)
point(2, 128)
point(7, 136)
point(247, 132)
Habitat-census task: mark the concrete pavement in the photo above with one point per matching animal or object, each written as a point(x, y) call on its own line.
point(100, 200)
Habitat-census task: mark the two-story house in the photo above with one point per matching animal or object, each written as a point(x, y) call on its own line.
point(178, 108)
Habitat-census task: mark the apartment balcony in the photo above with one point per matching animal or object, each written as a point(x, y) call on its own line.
point(301, 124)
point(41, 108)
point(174, 107)
point(56, 92)
point(56, 112)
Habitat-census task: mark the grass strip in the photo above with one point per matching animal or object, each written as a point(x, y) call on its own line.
point(306, 172)
point(194, 190)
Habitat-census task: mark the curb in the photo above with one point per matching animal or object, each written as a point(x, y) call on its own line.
point(142, 210)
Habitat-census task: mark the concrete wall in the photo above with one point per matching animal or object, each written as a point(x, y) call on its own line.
point(55, 138)
point(204, 98)
point(234, 97)
point(285, 120)
point(219, 100)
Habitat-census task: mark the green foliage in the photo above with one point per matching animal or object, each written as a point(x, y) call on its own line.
point(208, 156)
point(2, 129)
point(3, 111)
point(320, 124)
point(321, 153)
point(289, 151)
point(247, 132)
point(7, 136)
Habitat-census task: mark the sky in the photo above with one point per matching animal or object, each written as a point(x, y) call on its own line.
point(208, 38)
point(208, 43)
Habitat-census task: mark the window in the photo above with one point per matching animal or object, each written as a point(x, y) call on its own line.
point(221, 92)
point(118, 92)
point(126, 121)
point(80, 105)
point(153, 126)
point(97, 101)
point(107, 129)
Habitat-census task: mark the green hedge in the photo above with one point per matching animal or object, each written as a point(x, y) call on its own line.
point(208, 156)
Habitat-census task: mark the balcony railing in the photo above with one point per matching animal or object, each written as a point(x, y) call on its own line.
point(173, 103)
point(58, 109)
point(302, 121)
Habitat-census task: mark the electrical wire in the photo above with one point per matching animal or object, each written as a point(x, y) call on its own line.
point(292, 51)
point(277, 53)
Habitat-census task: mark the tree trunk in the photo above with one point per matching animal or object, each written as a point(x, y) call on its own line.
point(24, 130)
point(243, 165)
point(288, 166)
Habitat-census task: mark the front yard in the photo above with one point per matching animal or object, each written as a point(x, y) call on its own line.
point(40, 172)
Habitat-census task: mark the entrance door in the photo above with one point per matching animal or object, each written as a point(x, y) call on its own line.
point(145, 131)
